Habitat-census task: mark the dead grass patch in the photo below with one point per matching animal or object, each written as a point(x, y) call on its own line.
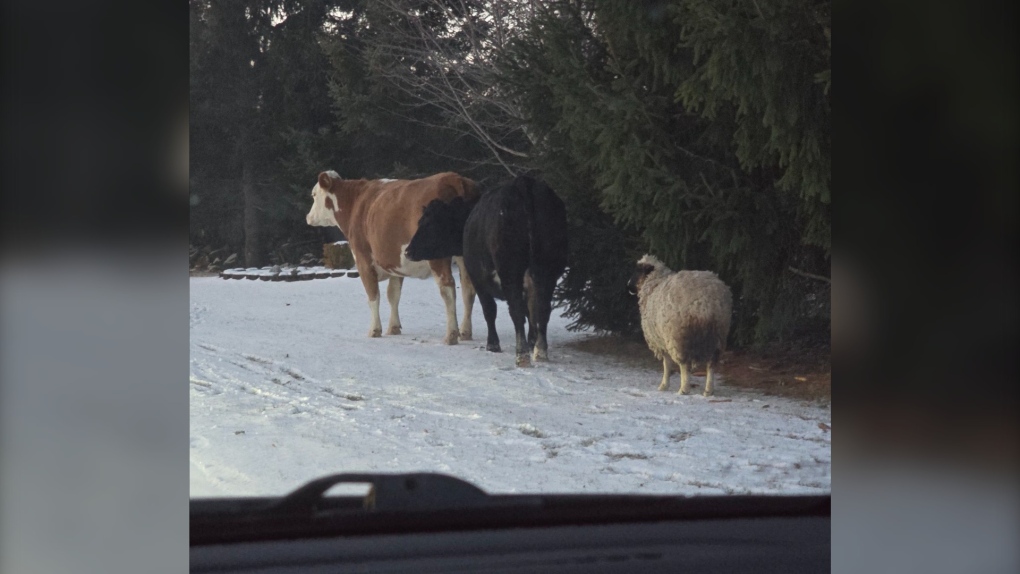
point(789, 370)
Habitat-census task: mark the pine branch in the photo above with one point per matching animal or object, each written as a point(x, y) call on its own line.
point(809, 275)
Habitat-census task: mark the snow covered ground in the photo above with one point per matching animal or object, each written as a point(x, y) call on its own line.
point(286, 386)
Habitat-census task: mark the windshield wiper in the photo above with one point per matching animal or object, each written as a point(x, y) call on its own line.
point(429, 502)
point(392, 492)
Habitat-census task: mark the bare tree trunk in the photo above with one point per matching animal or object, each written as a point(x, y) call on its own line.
point(253, 255)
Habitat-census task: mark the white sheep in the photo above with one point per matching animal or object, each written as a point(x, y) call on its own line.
point(685, 316)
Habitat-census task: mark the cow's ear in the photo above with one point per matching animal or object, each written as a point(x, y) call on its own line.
point(325, 182)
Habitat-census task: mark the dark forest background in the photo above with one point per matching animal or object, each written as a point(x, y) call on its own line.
point(696, 130)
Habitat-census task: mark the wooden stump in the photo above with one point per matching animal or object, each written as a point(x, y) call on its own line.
point(338, 255)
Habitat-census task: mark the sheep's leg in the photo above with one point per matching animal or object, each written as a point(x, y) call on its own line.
point(710, 376)
point(393, 296)
point(708, 380)
point(665, 374)
point(489, 311)
point(684, 378)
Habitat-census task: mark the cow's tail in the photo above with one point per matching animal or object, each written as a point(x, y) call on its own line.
point(529, 207)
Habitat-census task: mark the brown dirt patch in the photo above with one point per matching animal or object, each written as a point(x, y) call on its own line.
point(792, 370)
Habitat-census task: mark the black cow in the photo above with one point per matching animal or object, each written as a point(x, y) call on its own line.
point(514, 243)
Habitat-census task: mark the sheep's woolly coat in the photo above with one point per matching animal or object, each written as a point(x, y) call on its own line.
point(684, 315)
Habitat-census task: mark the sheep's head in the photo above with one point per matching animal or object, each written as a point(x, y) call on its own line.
point(645, 267)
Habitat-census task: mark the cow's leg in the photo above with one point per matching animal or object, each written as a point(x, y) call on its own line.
point(514, 290)
point(443, 273)
point(684, 378)
point(467, 294)
point(489, 311)
point(370, 279)
point(529, 296)
point(393, 296)
point(541, 302)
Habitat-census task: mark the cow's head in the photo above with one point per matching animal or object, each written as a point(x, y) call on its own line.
point(440, 230)
point(324, 201)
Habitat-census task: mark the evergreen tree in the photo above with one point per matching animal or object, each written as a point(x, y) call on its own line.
point(770, 61)
point(225, 66)
point(697, 130)
point(614, 86)
point(260, 116)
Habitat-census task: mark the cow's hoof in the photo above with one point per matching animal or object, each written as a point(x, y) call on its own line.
point(450, 339)
point(393, 330)
point(493, 348)
point(684, 392)
point(663, 387)
point(707, 393)
point(375, 333)
point(539, 355)
point(523, 361)
point(465, 335)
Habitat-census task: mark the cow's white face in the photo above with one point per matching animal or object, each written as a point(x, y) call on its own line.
point(323, 204)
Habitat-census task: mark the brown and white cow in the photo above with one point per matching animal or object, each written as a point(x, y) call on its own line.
point(379, 217)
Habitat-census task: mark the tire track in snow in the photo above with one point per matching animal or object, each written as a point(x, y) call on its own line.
point(299, 397)
point(397, 404)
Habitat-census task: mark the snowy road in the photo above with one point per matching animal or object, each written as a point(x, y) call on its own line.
point(286, 386)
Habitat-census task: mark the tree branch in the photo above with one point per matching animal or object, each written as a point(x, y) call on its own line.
point(809, 275)
point(456, 80)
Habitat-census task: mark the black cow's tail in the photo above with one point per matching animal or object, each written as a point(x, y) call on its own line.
point(529, 206)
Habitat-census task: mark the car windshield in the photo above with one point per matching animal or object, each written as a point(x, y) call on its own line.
point(552, 246)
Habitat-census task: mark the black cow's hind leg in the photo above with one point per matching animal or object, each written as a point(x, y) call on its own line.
point(518, 310)
point(489, 311)
point(542, 309)
point(529, 295)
